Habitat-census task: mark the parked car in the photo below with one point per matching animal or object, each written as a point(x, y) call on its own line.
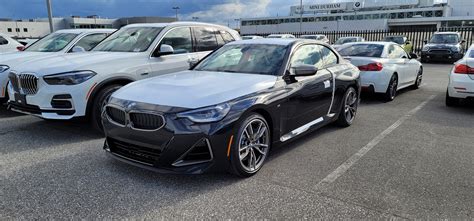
point(232, 108)
point(400, 40)
point(385, 67)
point(248, 37)
point(8, 44)
point(281, 36)
point(26, 41)
point(345, 40)
point(443, 46)
point(461, 80)
point(77, 85)
point(59, 42)
point(322, 38)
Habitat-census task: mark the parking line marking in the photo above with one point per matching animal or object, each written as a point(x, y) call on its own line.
point(357, 156)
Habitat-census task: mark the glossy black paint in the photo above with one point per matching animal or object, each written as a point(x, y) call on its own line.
point(291, 103)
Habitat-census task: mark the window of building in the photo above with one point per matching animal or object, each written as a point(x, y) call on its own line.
point(298, 19)
point(376, 16)
point(25, 29)
point(400, 15)
point(410, 14)
point(393, 15)
point(439, 13)
point(367, 17)
point(428, 14)
point(17, 29)
point(264, 22)
point(345, 17)
point(317, 19)
point(352, 17)
point(384, 16)
point(331, 18)
point(305, 19)
point(287, 20)
point(360, 17)
point(311, 19)
point(324, 18)
point(9, 29)
point(293, 20)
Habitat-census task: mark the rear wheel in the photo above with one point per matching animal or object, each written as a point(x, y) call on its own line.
point(100, 100)
point(419, 79)
point(349, 108)
point(251, 146)
point(392, 89)
point(451, 101)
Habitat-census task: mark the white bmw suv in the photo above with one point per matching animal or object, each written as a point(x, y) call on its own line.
point(77, 85)
point(59, 42)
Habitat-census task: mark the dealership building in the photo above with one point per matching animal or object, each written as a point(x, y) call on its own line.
point(365, 15)
point(36, 28)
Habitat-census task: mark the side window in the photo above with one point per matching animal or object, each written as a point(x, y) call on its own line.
point(205, 39)
point(3, 41)
point(329, 58)
point(308, 54)
point(179, 39)
point(90, 41)
point(391, 52)
point(227, 36)
point(401, 53)
point(396, 52)
point(220, 39)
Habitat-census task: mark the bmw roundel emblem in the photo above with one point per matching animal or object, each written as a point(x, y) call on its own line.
point(357, 4)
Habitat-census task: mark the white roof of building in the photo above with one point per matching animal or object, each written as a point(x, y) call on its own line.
point(178, 23)
point(80, 31)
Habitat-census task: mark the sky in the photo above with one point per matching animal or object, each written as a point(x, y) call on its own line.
point(218, 11)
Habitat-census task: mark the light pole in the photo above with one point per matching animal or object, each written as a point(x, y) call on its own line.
point(50, 15)
point(176, 8)
point(301, 16)
point(237, 23)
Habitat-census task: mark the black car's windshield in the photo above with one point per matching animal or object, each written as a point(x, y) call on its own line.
point(398, 40)
point(341, 41)
point(445, 39)
point(246, 58)
point(52, 43)
point(134, 39)
point(362, 50)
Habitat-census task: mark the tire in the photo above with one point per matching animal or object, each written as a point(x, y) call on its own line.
point(419, 79)
point(392, 89)
point(451, 101)
point(349, 107)
point(98, 104)
point(246, 162)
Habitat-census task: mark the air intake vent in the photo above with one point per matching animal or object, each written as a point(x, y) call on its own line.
point(201, 152)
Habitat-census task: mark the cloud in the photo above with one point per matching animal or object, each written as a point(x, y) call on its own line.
point(234, 9)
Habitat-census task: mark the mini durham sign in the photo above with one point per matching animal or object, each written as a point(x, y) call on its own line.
point(322, 7)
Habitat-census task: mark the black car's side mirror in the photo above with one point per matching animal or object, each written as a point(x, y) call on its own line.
point(413, 55)
point(303, 70)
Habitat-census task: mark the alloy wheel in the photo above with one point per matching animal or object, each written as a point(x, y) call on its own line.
point(350, 108)
point(393, 88)
point(254, 145)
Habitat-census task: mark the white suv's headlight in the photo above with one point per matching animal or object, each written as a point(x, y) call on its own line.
point(208, 114)
point(3, 68)
point(69, 78)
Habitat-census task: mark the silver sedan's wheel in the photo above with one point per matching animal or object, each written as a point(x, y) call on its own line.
point(253, 145)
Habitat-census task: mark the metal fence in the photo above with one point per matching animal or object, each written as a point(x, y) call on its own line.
point(416, 35)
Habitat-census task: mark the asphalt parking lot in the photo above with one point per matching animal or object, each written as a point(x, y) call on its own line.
point(410, 158)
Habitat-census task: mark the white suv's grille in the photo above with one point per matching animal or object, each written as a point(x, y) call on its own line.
point(24, 83)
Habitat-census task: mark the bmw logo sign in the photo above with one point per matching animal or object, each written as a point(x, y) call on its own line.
point(357, 4)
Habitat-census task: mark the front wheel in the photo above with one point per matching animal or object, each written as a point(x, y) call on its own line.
point(99, 103)
point(392, 89)
point(419, 79)
point(251, 146)
point(349, 108)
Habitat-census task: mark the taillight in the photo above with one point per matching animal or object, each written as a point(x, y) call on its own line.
point(371, 67)
point(20, 48)
point(463, 69)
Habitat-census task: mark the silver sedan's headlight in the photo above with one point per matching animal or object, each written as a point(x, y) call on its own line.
point(69, 78)
point(3, 68)
point(208, 114)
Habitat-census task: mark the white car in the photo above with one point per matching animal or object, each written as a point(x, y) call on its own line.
point(344, 40)
point(77, 85)
point(461, 79)
point(281, 36)
point(59, 42)
point(249, 37)
point(322, 38)
point(8, 44)
point(385, 67)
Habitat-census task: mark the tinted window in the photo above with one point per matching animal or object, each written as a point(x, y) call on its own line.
point(245, 58)
point(445, 39)
point(308, 54)
point(179, 39)
point(90, 41)
point(206, 39)
point(52, 43)
point(341, 41)
point(132, 39)
point(329, 57)
point(362, 50)
point(3, 41)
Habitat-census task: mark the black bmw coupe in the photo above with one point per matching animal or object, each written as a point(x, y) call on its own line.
point(229, 110)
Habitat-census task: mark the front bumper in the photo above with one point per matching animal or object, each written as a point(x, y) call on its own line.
point(448, 55)
point(180, 147)
point(461, 86)
point(59, 102)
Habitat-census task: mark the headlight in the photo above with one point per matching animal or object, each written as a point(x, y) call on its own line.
point(3, 68)
point(425, 48)
point(208, 114)
point(70, 78)
point(455, 49)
